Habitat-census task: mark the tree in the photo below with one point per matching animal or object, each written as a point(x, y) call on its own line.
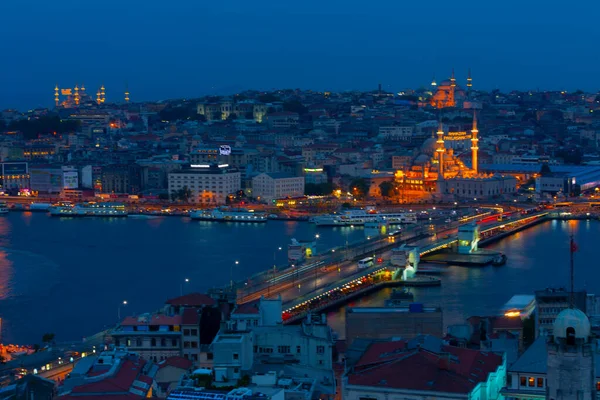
point(249, 115)
point(295, 106)
point(545, 170)
point(48, 337)
point(232, 116)
point(182, 194)
point(268, 98)
point(163, 196)
point(387, 188)
point(359, 187)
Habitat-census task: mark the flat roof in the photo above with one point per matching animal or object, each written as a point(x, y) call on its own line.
point(391, 310)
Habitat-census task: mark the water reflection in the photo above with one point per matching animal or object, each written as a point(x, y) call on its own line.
point(537, 258)
point(6, 275)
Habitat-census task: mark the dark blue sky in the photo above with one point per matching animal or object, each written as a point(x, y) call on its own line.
point(187, 48)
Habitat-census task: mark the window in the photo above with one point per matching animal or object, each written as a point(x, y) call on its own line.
point(128, 342)
point(236, 356)
point(320, 349)
point(194, 345)
point(320, 362)
point(209, 356)
point(283, 349)
point(540, 382)
point(298, 349)
point(153, 342)
point(174, 342)
point(194, 332)
point(236, 370)
point(138, 342)
point(186, 345)
point(531, 381)
point(523, 381)
point(186, 332)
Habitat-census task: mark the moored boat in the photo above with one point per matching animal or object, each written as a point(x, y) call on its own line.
point(228, 215)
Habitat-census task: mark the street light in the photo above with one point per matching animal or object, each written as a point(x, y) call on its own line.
point(181, 286)
point(231, 274)
point(124, 303)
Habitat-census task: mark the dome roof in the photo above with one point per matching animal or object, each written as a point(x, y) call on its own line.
point(429, 146)
point(422, 159)
point(572, 318)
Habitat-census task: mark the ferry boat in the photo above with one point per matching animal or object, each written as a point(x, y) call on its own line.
point(3, 207)
point(90, 209)
point(228, 215)
point(361, 217)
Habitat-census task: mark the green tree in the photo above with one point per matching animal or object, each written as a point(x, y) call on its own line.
point(268, 98)
point(545, 170)
point(163, 196)
point(359, 187)
point(184, 194)
point(387, 188)
point(295, 106)
point(48, 338)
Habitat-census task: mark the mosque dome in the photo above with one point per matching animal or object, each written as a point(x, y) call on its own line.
point(422, 159)
point(572, 318)
point(429, 146)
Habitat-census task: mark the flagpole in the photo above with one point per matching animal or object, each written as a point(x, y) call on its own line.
point(572, 249)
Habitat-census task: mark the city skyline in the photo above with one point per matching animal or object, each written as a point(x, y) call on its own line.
point(201, 49)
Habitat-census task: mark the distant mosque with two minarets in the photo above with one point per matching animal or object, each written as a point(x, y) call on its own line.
point(437, 173)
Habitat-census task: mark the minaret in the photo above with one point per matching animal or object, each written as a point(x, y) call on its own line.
point(56, 96)
point(469, 81)
point(98, 97)
point(451, 101)
point(433, 82)
point(441, 150)
point(102, 94)
point(474, 144)
point(126, 94)
point(76, 97)
point(82, 90)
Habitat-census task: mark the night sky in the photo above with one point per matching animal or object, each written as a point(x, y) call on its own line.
point(188, 48)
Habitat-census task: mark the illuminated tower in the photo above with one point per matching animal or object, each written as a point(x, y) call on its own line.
point(82, 90)
point(76, 96)
point(451, 102)
point(474, 144)
point(126, 94)
point(102, 94)
point(56, 96)
point(98, 97)
point(441, 149)
point(433, 82)
point(469, 81)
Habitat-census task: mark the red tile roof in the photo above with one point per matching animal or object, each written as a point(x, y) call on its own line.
point(116, 387)
point(247, 308)
point(177, 362)
point(192, 300)
point(455, 370)
point(158, 319)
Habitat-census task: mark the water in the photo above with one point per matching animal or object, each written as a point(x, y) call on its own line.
point(537, 258)
point(68, 276)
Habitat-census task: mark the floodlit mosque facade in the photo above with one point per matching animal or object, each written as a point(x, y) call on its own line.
point(437, 173)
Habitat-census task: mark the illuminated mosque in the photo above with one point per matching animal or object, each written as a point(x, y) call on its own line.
point(73, 97)
point(438, 173)
point(446, 93)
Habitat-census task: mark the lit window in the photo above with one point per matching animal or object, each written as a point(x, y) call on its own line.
point(531, 381)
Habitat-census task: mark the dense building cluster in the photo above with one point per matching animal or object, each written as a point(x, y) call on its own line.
point(440, 143)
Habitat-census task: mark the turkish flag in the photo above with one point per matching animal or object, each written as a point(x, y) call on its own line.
point(574, 247)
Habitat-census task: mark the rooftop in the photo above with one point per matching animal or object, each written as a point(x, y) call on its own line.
point(451, 370)
point(192, 300)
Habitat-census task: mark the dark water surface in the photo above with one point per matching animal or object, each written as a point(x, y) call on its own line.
point(537, 258)
point(68, 276)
